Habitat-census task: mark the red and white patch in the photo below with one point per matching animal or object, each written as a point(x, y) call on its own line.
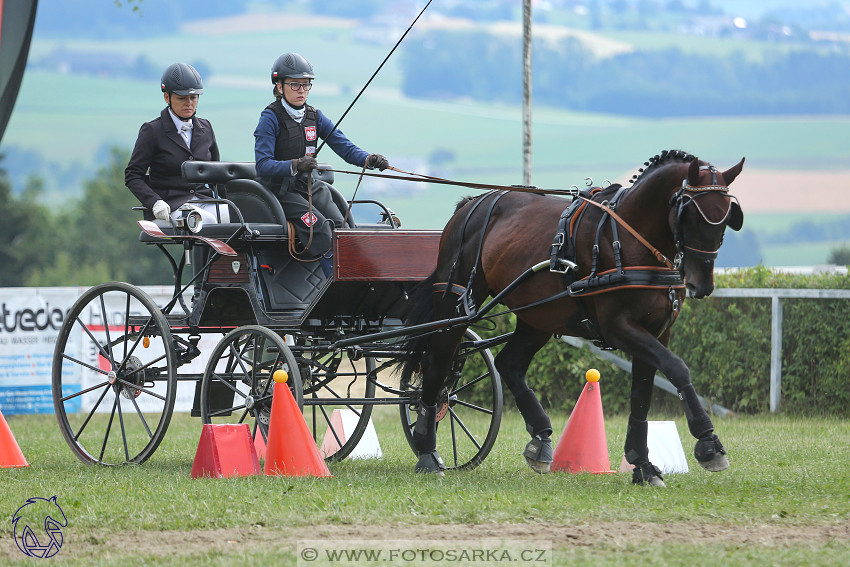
point(309, 219)
point(311, 150)
point(310, 132)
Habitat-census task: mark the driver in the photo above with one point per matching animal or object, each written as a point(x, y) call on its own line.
point(284, 149)
point(154, 172)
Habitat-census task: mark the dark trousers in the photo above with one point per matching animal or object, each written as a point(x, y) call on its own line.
point(324, 215)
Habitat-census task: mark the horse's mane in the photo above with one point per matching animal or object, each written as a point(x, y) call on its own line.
point(664, 158)
point(464, 201)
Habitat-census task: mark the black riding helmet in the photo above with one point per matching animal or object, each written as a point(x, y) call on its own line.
point(293, 66)
point(181, 79)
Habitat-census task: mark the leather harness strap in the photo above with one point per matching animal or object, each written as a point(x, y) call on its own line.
point(655, 252)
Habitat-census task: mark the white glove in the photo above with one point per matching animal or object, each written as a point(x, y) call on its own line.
point(161, 210)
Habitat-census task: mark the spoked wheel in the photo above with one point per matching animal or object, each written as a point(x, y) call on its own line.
point(469, 410)
point(238, 383)
point(114, 375)
point(337, 396)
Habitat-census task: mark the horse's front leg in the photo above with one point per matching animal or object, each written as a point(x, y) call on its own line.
point(709, 451)
point(512, 363)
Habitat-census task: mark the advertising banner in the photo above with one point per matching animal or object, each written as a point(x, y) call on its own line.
point(30, 321)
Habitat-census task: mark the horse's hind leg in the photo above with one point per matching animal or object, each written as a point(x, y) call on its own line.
point(512, 363)
point(435, 368)
point(636, 448)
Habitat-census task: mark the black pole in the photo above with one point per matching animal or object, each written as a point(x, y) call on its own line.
point(372, 77)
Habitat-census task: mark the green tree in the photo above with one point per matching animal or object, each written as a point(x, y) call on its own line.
point(100, 237)
point(27, 233)
point(840, 255)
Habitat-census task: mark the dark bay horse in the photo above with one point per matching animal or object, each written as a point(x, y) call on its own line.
point(637, 251)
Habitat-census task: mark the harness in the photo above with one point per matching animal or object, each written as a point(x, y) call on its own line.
point(562, 260)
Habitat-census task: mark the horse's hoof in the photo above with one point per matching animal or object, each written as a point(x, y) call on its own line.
point(539, 455)
point(648, 474)
point(430, 463)
point(710, 454)
point(717, 463)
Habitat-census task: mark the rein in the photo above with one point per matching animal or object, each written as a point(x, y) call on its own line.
point(470, 185)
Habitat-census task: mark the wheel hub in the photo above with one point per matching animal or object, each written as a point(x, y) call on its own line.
point(131, 373)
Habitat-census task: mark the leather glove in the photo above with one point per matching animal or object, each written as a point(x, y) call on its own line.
point(161, 210)
point(377, 161)
point(303, 165)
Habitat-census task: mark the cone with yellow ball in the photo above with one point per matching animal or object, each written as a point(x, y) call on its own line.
point(583, 446)
point(291, 450)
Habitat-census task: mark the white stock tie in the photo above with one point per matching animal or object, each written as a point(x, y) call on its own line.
point(186, 132)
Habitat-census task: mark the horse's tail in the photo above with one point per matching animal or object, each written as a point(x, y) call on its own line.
point(421, 311)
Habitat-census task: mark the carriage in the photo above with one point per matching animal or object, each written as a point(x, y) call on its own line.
point(121, 361)
point(617, 271)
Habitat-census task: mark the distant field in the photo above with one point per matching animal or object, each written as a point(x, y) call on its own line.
point(795, 165)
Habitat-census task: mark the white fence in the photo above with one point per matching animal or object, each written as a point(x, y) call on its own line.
point(776, 296)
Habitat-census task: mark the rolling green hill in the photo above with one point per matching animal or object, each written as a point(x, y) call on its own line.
point(63, 123)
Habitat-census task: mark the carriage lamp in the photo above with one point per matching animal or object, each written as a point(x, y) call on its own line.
point(194, 222)
point(190, 219)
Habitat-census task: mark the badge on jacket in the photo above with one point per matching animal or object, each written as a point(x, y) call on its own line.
point(310, 132)
point(309, 219)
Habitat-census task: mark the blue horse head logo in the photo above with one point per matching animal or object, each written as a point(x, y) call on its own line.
point(38, 526)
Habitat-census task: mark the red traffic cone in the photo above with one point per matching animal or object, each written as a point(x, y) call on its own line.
point(10, 451)
point(225, 450)
point(291, 450)
point(583, 446)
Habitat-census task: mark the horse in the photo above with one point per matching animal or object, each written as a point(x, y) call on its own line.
point(620, 289)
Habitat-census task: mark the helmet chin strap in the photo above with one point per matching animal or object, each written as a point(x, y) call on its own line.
point(174, 112)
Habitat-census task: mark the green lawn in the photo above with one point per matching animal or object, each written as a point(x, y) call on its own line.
point(787, 475)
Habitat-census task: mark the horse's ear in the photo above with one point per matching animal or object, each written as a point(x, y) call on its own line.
point(730, 174)
point(693, 173)
point(736, 216)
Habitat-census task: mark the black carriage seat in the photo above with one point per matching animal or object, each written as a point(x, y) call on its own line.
point(256, 203)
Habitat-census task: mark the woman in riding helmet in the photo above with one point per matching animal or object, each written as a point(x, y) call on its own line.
point(154, 172)
point(285, 143)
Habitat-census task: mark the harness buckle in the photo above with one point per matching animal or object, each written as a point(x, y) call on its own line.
point(559, 240)
point(562, 266)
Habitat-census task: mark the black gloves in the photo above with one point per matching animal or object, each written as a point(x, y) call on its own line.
point(303, 165)
point(377, 161)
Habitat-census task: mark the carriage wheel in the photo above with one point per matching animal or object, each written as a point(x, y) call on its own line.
point(469, 411)
point(336, 385)
point(114, 384)
point(237, 385)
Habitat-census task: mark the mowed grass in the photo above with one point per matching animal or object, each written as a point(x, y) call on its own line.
point(786, 473)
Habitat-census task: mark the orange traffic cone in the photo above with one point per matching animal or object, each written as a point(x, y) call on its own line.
point(583, 446)
point(291, 450)
point(10, 451)
point(225, 450)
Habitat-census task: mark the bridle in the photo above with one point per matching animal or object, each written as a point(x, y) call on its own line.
point(688, 195)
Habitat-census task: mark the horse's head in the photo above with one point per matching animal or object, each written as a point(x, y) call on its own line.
point(700, 211)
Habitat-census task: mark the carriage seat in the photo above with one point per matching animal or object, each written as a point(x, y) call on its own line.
point(254, 200)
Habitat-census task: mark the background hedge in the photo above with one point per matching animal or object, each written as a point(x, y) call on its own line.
point(726, 344)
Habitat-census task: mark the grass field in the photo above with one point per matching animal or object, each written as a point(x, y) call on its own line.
point(784, 501)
